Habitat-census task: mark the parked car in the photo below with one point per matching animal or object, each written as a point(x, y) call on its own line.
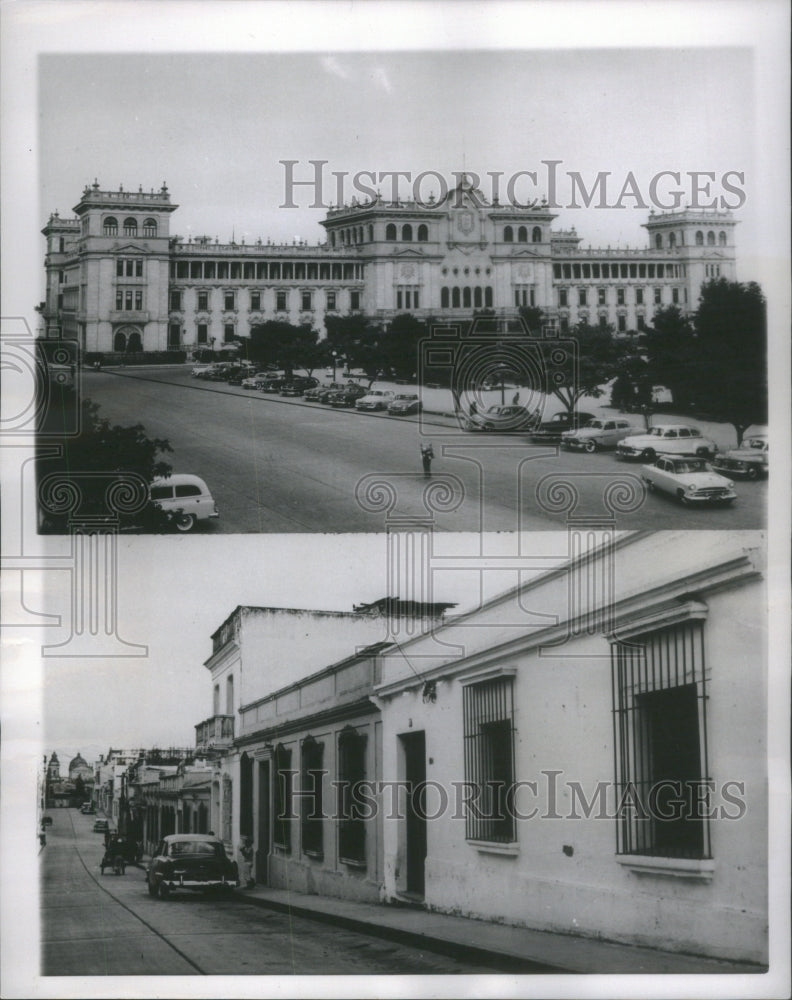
point(298, 385)
point(187, 497)
point(550, 431)
point(502, 418)
point(404, 403)
point(690, 480)
point(254, 381)
point(193, 861)
point(666, 439)
point(375, 399)
point(200, 371)
point(347, 396)
point(101, 826)
point(274, 383)
point(751, 459)
point(597, 434)
point(322, 393)
point(87, 809)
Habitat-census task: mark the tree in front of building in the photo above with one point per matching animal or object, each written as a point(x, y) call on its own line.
point(600, 358)
point(672, 355)
point(277, 342)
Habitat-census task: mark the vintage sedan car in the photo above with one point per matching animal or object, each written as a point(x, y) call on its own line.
point(550, 431)
point(254, 381)
point(185, 497)
point(193, 861)
point(375, 399)
point(274, 383)
point(666, 439)
point(751, 459)
point(597, 434)
point(319, 393)
point(101, 826)
point(502, 418)
point(690, 480)
point(347, 396)
point(199, 371)
point(298, 384)
point(404, 403)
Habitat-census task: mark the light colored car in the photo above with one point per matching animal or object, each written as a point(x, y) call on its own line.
point(405, 403)
point(375, 399)
point(666, 439)
point(690, 480)
point(598, 434)
point(751, 459)
point(502, 418)
point(187, 497)
point(199, 371)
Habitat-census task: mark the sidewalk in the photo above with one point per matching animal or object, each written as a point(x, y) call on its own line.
point(507, 949)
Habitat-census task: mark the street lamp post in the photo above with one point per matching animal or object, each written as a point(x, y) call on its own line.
point(334, 355)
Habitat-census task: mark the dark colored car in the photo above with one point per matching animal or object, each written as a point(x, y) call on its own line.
point(193, 861)
point(322, 393)
point(101, 826)
point(46, 820)
point(502, 418)
point(347, 396)
point(550, 431)
point(298, 385)
point(274, 384)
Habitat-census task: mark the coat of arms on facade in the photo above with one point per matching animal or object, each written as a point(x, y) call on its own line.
point(465, 222)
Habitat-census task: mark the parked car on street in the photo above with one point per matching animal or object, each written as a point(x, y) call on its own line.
point(322, 393)
point(193, 861)
point(597, 434)
point(751, 459)
point(273, 384)
point(101, 826)
point(88, 809)
point(199, 371)
point(404, 403)
point(254, 381)
point(298, 385)
point(690, 480)
point(502, 418)
point(186, 497)
point(347, 396)
point(375, 399)
point(550, 431)
point(666, 439)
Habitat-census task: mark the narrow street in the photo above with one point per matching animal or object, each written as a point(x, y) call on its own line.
point(107, 925)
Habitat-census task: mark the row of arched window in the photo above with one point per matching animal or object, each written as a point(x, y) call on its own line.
point(700, 239)
point(422, 234)
point(130, 227)
point(466, 298)
point(522, 234)
point(356, 234)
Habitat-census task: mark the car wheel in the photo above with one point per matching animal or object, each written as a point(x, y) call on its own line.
point(185, 522)
point(681, 497)
point(649, 485)
point(164, 891)
point(591, 447)
point(152, 889)
point(648, 454)
point(752, 472)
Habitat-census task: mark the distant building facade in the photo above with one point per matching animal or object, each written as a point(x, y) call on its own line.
point(117, 280)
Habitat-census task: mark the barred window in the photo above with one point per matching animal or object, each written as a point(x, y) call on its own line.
point(351, 771)
point(488, 710)
point(660, 728)
point(281, 833)
point(311, 798)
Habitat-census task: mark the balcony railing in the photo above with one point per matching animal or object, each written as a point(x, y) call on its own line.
point(215, 732)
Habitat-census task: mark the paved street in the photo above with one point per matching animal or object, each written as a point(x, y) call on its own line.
point(284, 465)
point(95, 925)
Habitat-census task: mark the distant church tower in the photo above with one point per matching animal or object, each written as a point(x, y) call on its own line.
point(53, 768)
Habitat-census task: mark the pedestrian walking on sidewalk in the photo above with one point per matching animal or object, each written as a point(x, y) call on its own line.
point(246, 868)
point(427, 454)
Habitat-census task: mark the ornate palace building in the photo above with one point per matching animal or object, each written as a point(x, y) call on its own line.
point(117, 280)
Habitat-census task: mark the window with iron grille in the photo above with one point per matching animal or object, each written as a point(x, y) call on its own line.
point(351, 771)
point(311, 797)
point(281, 833)
point(488, 710)
point(660, 729)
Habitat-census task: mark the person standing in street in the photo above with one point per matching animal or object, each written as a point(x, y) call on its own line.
point(246, 868)
point(427, 454)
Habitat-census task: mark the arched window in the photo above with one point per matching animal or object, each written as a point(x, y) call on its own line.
point(407, 233)
point(508, 235)
point(134, 346)
point(672, 239)
point(150, 227)
point(699, 239)
point(111, 226)
point(360, 234)
point(119, 342)
point(659, 241)
point(423, 233)
point(536, 235)
point(522, 235)
point(710, 239)
point(722, 239)
point(444, 297)
point(455, 298)
point(390, 232)
point(466, 298)
point(371, 233)
point(488, 296)
point(130, 227)
point(477, 297)
point(332, 239)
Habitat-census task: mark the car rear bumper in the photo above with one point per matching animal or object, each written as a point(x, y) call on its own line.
point(199, 883)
